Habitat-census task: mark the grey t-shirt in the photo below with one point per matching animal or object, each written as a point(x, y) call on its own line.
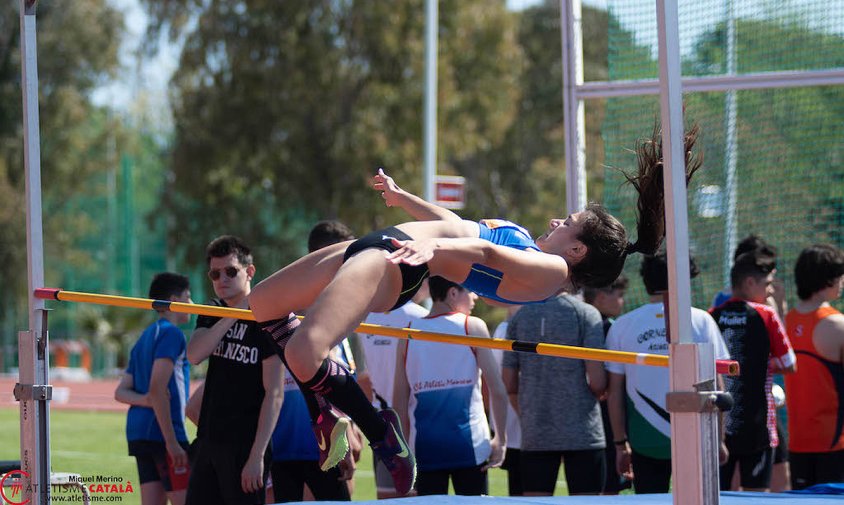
point(558, 411)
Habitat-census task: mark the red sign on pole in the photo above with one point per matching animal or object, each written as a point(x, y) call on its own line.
point(450, 191)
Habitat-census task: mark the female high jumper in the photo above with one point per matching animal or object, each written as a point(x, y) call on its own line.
point(341, 284)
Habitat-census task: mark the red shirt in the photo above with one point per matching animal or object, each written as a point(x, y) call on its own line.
point(756, 338)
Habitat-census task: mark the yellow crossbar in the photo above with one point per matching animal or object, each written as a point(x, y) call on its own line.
point(727, 367)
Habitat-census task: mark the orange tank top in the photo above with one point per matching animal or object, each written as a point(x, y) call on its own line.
point(815, 392)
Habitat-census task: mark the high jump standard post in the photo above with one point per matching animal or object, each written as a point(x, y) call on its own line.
point(33, 390)
point(694, 444)
point(694, 435)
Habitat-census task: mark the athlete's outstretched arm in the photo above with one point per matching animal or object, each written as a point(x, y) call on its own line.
point(531, 275)
point(418, 208)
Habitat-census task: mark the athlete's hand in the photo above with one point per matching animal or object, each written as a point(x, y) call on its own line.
point(412, 252)
point(178, 456)
point(252, 476)
point(496, 455)
point(622, 461)
point(390, 191)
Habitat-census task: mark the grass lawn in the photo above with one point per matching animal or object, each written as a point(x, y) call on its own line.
point(94, 444)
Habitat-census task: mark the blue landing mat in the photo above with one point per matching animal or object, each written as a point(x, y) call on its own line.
point(727, 498)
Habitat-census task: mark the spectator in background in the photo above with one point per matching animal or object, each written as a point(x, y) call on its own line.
point(756, 339)
point(377, 382)
point(610, 303)
point(636, 400)
point(557, 399)
point(438, 395)
point(609, 300)
point(815, 392)
point(243, 388)
point(780, 473)
point(295, 447)
point(156, 386)
point(776, 299)
point(328, 232)
point(513, 457)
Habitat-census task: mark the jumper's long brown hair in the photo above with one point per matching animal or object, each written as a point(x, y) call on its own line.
point(605, 237)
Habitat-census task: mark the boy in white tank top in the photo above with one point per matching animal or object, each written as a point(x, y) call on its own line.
point(435, 382)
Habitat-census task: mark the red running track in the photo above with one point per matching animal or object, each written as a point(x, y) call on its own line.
point(96, 394)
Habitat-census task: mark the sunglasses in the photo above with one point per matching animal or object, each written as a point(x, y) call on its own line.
point(231, 273)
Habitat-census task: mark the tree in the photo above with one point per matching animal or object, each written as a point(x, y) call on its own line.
point(523, 176)
point(283, 110)
point(77, 51)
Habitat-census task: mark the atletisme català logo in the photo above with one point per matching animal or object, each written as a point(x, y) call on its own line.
point(16, 484)
point(11, 487)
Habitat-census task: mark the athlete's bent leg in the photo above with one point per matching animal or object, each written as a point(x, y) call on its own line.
point(365, 283)
point(296, 286)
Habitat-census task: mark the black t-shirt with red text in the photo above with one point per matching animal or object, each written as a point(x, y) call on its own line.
point(234, 385)
point(755, 337)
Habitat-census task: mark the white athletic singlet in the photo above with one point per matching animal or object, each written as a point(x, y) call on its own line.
point(448, 426)
point(380, 351)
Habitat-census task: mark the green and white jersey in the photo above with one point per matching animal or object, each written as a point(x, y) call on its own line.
point(643, 331)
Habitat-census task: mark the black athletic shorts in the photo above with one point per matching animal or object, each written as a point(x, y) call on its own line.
point(411, 276)
point(754, 469)
point(290, 477)
point(513, 465)
point(466, 481)
point(215, 475)
point(650, 475)
point(154, 465)
point(585, 471)
point(810, 468)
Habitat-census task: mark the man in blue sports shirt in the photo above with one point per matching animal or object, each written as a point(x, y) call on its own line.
point(156, 385)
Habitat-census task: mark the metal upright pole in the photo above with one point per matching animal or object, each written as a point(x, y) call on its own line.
point(32, 390)
point(574, 117)
point(730, 146)
point(430, 119)
point(693, 433)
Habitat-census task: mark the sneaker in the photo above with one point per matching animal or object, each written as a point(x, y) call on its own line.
point(330, 432)
point(394, 453)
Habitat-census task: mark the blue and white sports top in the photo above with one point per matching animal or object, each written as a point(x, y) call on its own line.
point(484, 280)
point(160, 340)
point(448, 426)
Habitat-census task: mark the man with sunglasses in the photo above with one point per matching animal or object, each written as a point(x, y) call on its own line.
point(243, 388)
